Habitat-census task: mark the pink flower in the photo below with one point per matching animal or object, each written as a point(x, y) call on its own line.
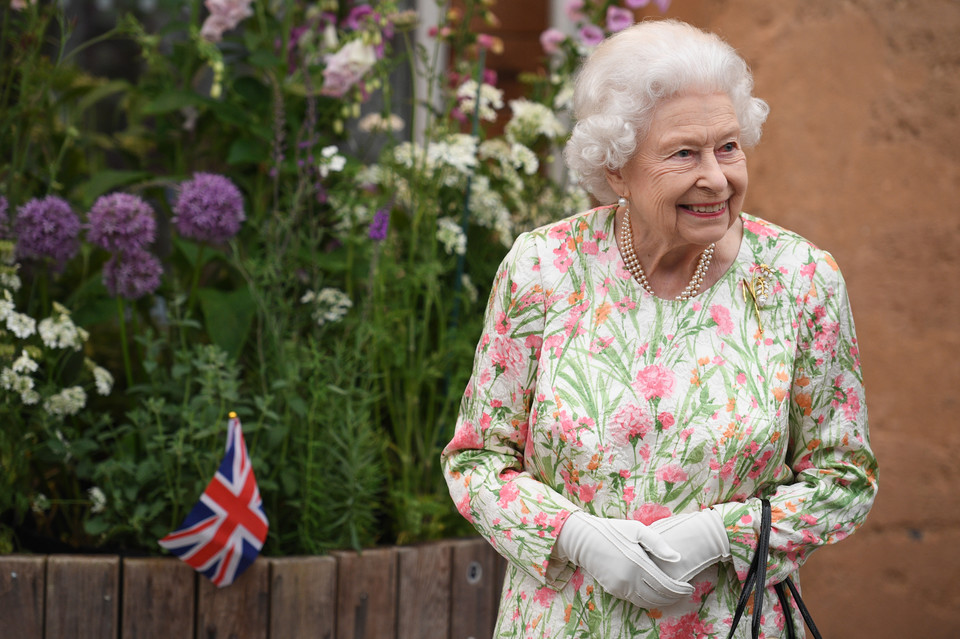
point(637, 4)
point(574, 10)
point(588, 492)
point(721, 315)
point(544, 596)
point(758, 229)
point(649, 513)
point(224, 16)
point(618, 19)
point(465, 437)
point(591, 35)
point(551, 39)
point(506, 355)
point(346, 67)
point(666, 420)
point(630, 422)
point(689, 626)
point(671, 474)
point(463, 507)
point(654, 381)
point(503, 323)
point(508, 492)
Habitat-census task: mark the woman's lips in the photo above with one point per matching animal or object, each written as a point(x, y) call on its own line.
point(714, 209)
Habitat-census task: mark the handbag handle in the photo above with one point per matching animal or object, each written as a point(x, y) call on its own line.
point(755, 583)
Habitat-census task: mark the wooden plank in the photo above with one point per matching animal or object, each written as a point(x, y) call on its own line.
point(367, 594)
point(423, 594)
point(239, 610)
point(303, 593)
point(21, 595)
point(82, 596)
point(475, 598)
point(159, 597)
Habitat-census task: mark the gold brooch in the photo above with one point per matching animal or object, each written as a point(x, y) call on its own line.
point(760, 289)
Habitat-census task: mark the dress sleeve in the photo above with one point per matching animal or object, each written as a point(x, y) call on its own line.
point(484, 462)
point(833, 467)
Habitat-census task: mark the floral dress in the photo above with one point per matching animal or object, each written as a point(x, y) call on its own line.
point(588, 393)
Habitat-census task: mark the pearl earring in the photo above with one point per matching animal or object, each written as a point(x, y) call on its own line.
point(622, 202)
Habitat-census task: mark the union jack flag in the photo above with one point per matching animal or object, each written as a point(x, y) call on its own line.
point(225, 530)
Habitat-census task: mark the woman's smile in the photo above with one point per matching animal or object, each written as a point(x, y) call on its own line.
point(706, 211)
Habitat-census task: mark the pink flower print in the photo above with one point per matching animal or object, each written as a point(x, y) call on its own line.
point(760, 230)
point(544, 596)
point(589, 248)
point(629, 423)
point(825, 340)
point(851, 407)
point(508, 493)
point(572, 325)
point(649, 513)
point(807, 270)
point(563, 261)
point(654, 381)
point(721, 315)
point(506, 356)
point(626, 304)
point(628, 495)
point(671, 474)
point(588, 492)
point(600, 343)
point(503, 323)
point(697, 306)
point(534, 342)
point(465, 437)
point(485, 376)
point(666, 420)
point(741, 378)
point(555, 342)
point(689, 626)
point(484, 422)
point(560, 231)
point(809, 519)
point(463, 507)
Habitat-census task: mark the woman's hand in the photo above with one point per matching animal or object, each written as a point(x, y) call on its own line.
point(700, 538)
point(615, 553)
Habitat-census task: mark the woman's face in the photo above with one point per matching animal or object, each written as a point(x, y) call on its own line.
point(687, 180)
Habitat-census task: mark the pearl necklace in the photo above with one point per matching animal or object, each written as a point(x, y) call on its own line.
point(636, 269)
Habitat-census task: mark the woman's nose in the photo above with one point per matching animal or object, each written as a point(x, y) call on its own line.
point(711, 175)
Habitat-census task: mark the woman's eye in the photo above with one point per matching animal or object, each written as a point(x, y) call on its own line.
point(729, 147)
point(684, 153)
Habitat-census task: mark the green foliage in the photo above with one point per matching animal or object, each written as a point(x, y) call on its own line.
point(340, 323)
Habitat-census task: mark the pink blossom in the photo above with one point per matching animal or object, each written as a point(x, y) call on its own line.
point(551, 39)
point(465, 437)
point(636, 4)
point(224, 16)
point(618, 19)
point(666, 420)
point(591, 35)
point(630, 422)
point(689, 626)
point(503, 323)
point(758, 229)
point(463, 507)
point(574, 10)
point(506, 355)
point(544, 596)
point(346, 67)
point(588, 492)
point(654, 381)
point(671, 474)
point(721, 315)
point(649, 513)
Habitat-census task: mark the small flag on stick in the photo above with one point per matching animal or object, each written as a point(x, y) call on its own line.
point(225, 530)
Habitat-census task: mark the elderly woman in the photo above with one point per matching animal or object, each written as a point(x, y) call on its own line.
point(652, 368)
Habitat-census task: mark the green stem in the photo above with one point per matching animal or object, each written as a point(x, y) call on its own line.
point(121, 316)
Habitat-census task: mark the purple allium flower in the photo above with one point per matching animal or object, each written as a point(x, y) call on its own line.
point(551, 39)
point(637, 4)
point(133, 274)
point(47, 228)
point(591, 35)
point(209, 208)
point(618, 19)
point(355, 19)
point(121, 222)
point(379, 225)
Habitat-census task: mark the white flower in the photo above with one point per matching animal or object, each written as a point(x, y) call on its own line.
point(98, 501)
point(6, 305)
point(451, 236)
point(9, 277)
point(524, 158)
point(330, 305)
point(488, 210)
point(531, 120)
point(21, 325)
point(69, 401)
point(376, 123)
point(40, 504)
point(59, 331)
point(29, 397)
point(469, 287)
point(24, 364)
point(491, 98)
point(103, 380)
point(332, 162)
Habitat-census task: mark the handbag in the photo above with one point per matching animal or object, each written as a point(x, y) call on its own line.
point(757, 577)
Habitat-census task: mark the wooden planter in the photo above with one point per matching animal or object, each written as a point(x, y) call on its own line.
point(441, 590)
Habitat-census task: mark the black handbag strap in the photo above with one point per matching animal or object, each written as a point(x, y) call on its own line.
point(755, 582)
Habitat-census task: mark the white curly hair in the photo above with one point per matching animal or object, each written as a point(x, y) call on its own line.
point(621, 83)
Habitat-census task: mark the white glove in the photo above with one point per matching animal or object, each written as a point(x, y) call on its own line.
point(700, 538)
point(612, 552)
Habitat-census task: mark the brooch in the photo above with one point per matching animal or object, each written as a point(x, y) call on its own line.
point(760, 289)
